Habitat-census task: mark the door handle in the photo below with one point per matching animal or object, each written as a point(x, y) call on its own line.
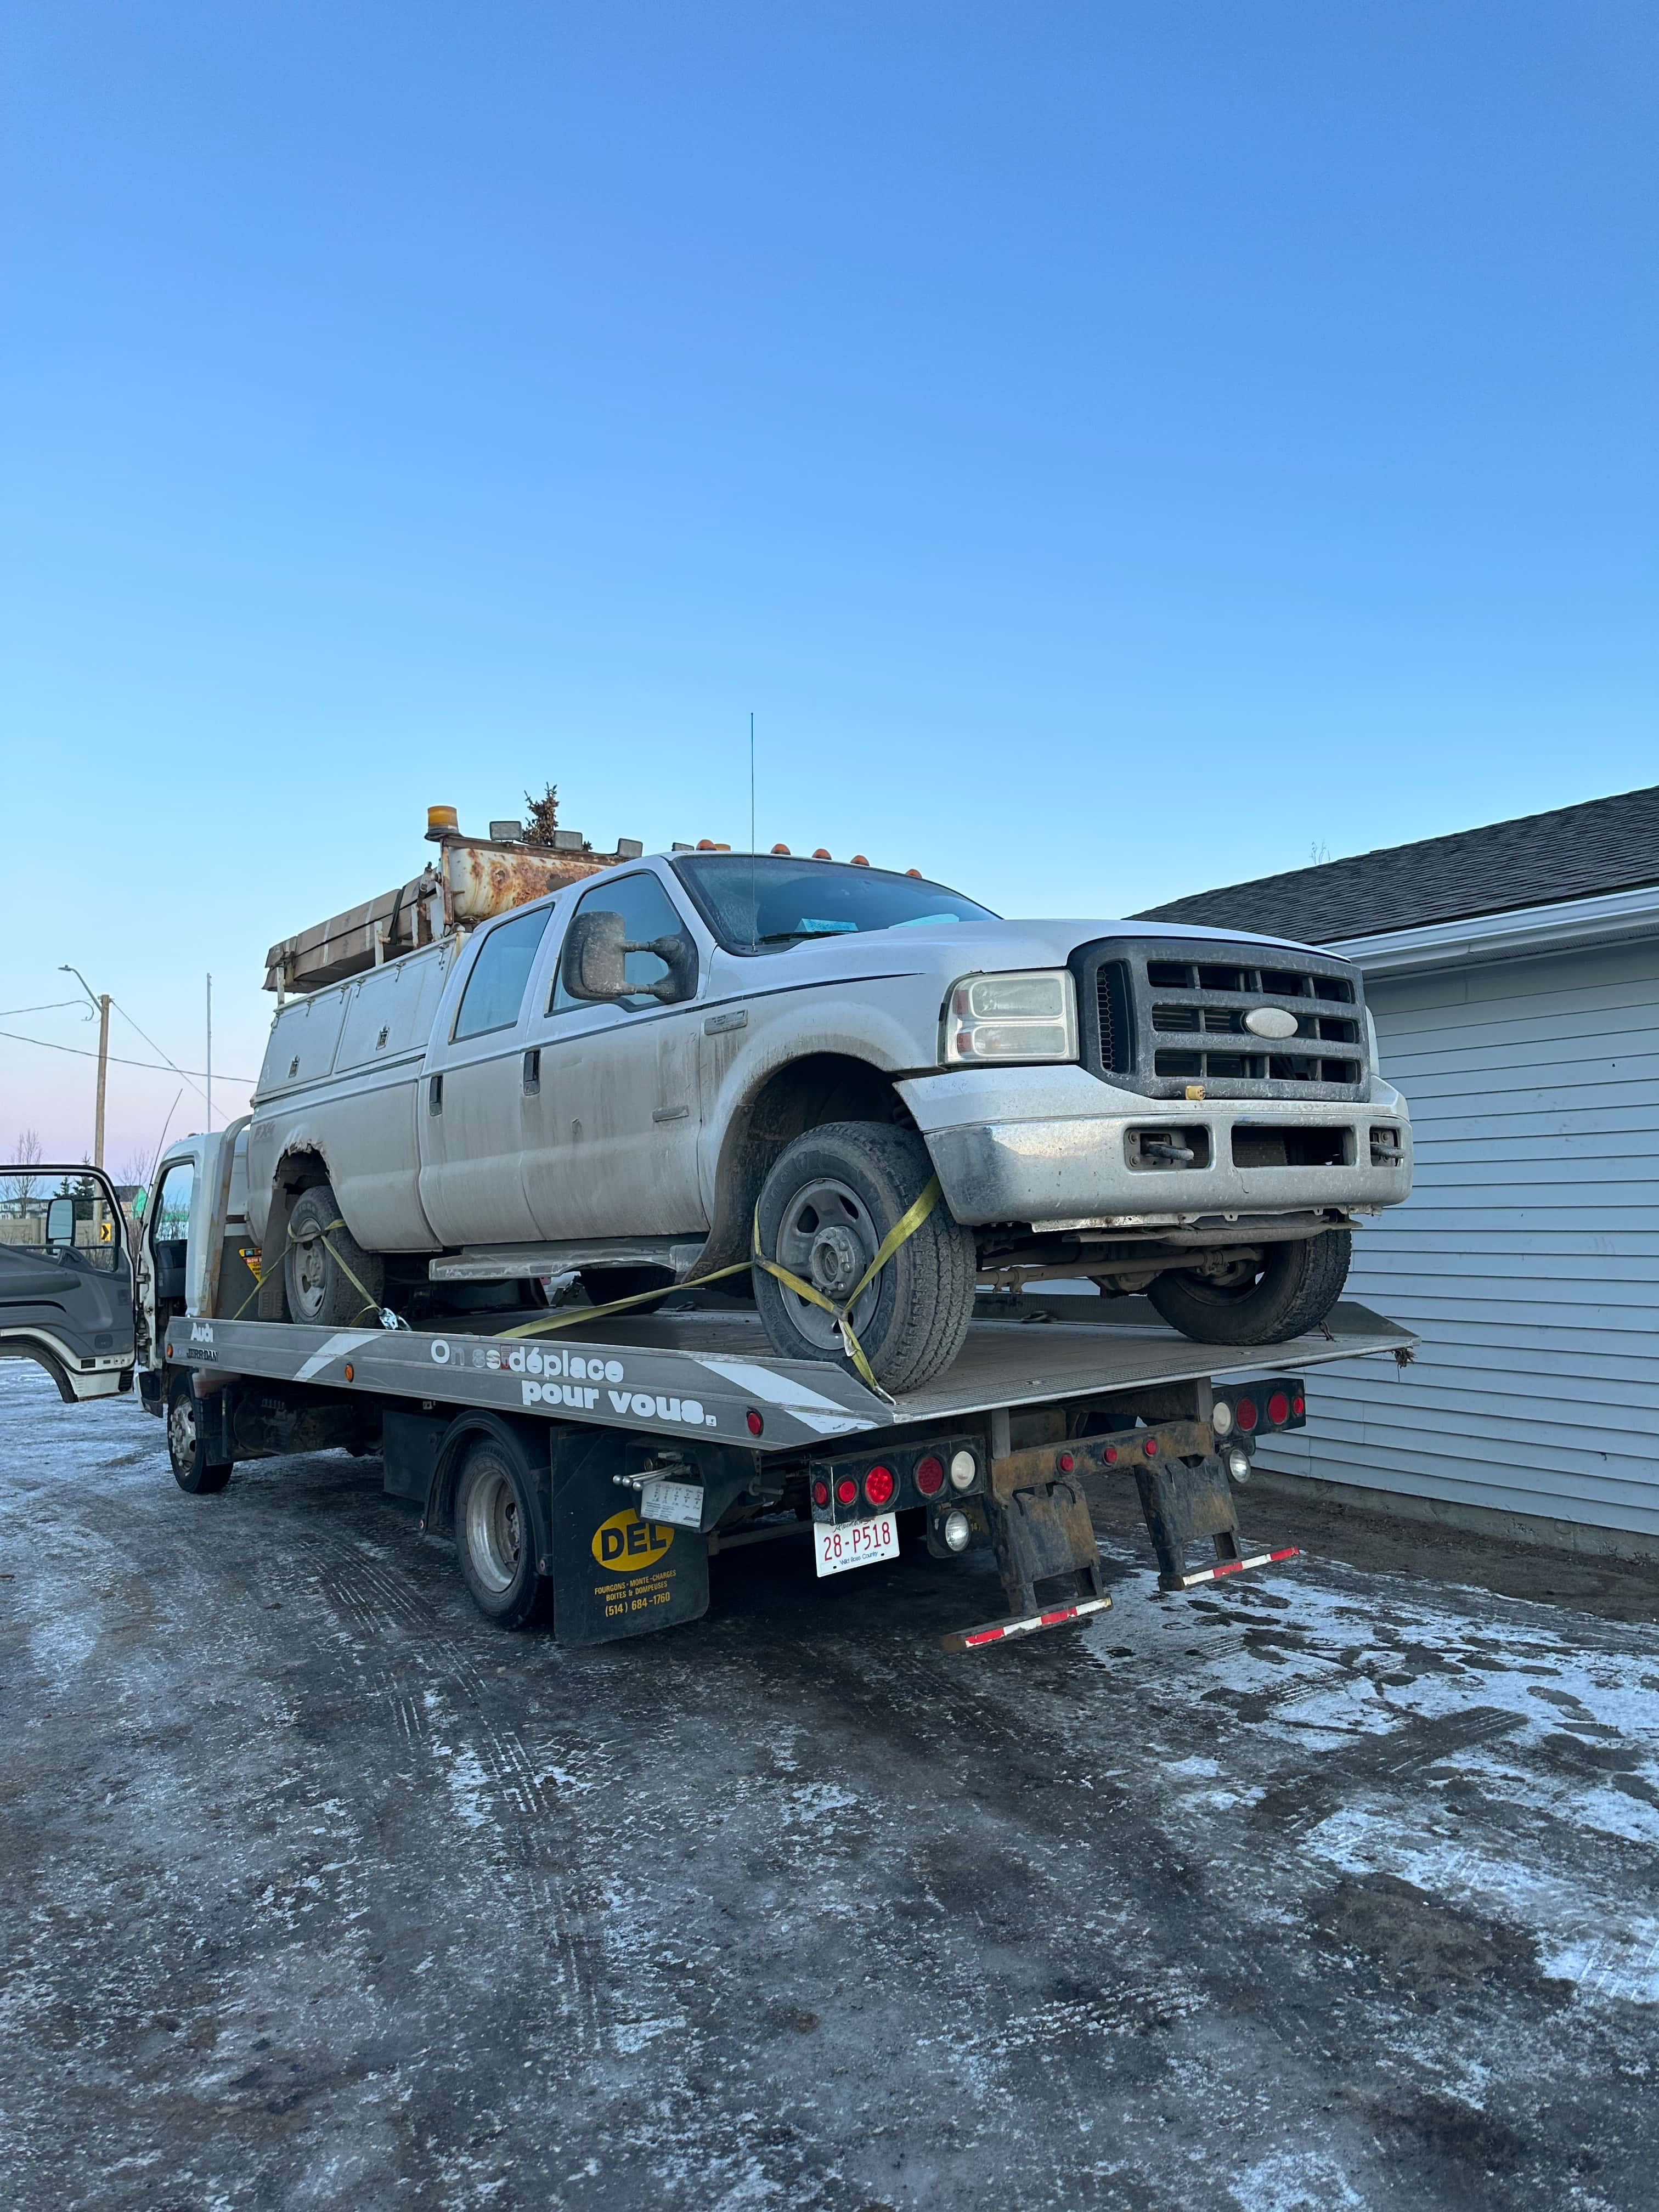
point(532, 1071)
point(435, 1095)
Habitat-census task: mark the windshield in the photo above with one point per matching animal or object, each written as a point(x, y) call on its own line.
point(765, 903)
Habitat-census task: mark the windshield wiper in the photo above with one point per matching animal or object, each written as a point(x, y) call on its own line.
point(789, 936)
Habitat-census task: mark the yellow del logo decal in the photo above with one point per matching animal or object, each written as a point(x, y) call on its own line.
point(624, 1543)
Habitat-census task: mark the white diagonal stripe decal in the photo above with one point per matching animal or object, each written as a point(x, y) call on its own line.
point(347, 1340)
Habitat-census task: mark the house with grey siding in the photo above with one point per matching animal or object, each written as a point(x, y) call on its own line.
point(1513, 972)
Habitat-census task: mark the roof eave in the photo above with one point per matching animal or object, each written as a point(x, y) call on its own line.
point(1569, 926)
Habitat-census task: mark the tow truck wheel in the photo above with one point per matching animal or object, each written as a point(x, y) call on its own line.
point(330, 1279)
point(191, 1469)
point(825, 1208)
point(1290, 1290)
point(496, 1536)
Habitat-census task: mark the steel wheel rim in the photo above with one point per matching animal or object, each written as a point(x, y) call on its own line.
point(310, 1274)
point(1230, 1290)
point(494, 1536)
point(827, 1237)
point(181, 1430)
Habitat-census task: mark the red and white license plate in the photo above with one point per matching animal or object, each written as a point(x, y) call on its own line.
point(854, 1543)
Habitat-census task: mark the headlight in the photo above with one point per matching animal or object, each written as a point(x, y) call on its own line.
point(1028, 1015)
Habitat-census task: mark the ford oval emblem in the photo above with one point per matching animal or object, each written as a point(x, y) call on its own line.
point(1270, 1022)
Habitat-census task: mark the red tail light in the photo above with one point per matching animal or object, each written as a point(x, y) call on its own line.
point(755, 1424)
point(1299, 1406)
point(820, 1493)
point(1279, 1408)
point(1150, 1448)
point(879, 1486)
point(846, 1491)
point(1244, 1413)
point(1066, 1462)
point(930, 1476)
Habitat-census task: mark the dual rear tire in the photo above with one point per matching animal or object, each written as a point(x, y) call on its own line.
point(495, 1537)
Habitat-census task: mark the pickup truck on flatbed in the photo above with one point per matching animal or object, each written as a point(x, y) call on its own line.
point(863, 1083)
point(587, 1465)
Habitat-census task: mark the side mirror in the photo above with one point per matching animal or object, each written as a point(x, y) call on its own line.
point(60, 1221)
point(596, 956)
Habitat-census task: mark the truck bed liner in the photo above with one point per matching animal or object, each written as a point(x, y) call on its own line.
point(704, 1372)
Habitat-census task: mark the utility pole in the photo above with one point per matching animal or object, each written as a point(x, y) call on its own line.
point(100, 1003)
point(103, 1079)
point(210, 1057)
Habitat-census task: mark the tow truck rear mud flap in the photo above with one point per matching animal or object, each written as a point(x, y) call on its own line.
point(614, 1574)
point(1181, 1505)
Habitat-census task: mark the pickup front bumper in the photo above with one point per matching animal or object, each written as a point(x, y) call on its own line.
point(1085, 1153)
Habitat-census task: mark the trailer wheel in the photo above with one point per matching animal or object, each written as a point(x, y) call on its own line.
point(496, 1536)
point(191, 1469)
point(1289, 1290)
point(321, 1261)
point(830, 1200)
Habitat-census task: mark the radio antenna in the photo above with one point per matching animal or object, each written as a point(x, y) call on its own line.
point(754, 895)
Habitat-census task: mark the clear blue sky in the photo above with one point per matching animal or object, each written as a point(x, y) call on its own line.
point(1112, 449)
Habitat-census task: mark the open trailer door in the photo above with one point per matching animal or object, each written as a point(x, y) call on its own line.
point(66, 1277)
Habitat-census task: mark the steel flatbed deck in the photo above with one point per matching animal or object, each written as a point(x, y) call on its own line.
point(707, 1373)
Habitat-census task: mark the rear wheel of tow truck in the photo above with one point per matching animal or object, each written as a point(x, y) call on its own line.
point(825, 1208)
point(191, 1469)
point(328, 1278)
point(496, 1536)
point(1290, 1290)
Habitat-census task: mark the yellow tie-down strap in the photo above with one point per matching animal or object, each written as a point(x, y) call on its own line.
point(905, 1227)
point(902, 1231)
point(369, 1305)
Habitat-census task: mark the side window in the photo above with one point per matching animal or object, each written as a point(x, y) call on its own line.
point(494, 990)
point(172, 1204)
point(647, 913)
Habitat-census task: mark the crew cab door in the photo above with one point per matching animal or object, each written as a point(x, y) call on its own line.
point(609, 1092)
point(472, 1190)
point(66, 1278)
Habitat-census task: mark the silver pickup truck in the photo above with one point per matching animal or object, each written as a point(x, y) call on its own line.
point(652, 1074)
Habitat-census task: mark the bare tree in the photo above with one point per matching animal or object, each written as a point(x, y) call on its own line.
point(19, 1186)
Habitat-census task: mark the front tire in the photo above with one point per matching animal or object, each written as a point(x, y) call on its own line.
point(330, 1279)
point(1288, 1292)
point(824, 1209)
point(192, 1471)
point(496, 1536)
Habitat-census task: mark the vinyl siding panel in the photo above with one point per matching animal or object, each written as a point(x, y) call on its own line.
point(1528, 1255)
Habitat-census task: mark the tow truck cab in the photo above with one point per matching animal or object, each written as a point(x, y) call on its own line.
point(66, 1277)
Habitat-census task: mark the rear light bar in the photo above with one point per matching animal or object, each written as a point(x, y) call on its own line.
point(1246, 1409)
point(852, 1486)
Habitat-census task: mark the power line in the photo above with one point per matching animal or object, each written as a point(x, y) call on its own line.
point(8, 1013)
point(161, 1067)
point(153, 1047)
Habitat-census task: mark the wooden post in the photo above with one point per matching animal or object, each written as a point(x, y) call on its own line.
point(103, 1078)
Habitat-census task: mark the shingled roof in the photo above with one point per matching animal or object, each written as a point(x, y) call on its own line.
point(1605, 845)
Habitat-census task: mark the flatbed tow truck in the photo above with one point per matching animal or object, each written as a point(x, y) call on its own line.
point(588, 1466)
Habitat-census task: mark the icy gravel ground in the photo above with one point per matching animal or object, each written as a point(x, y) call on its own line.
point(1337, 1891)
